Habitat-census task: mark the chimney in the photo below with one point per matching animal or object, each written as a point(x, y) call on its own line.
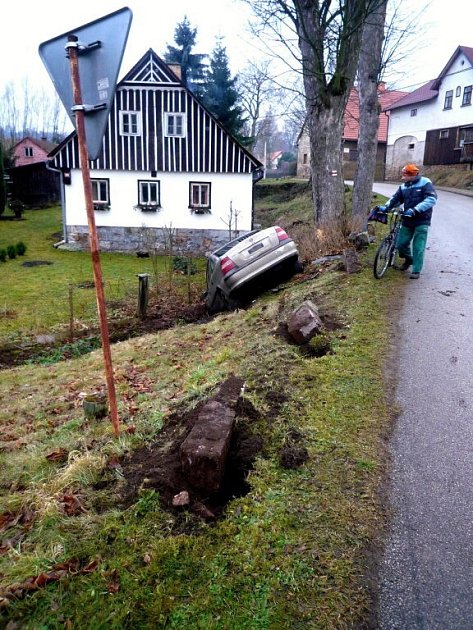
point(382, 86)
point(176, 68)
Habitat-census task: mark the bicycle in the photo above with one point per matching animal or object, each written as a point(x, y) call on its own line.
point(387, 251)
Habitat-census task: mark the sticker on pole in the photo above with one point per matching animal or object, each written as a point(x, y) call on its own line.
point(100, 47)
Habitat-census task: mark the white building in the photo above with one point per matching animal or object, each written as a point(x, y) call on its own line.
point(165, 163)
point(434, 124)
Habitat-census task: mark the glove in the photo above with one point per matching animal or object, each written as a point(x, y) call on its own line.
point(409, 213)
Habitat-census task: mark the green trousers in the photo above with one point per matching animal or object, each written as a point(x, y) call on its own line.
point(417, 236)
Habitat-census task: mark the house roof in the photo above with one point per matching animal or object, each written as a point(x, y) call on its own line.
point(45, 145)
point(430, 90)
point(352, 113)
point(206, 147)
point(426, 92)
point(466, 50)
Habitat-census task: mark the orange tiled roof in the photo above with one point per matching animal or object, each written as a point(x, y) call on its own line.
point(352, 113)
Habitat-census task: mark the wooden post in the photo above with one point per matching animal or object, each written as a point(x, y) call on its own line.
point(93, 238)
point(143, 279)
point(71, 312)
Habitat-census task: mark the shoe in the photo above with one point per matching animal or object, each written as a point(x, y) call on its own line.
point(406, 264)
point(414, 275)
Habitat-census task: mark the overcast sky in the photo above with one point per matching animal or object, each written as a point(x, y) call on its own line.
point(27, 24)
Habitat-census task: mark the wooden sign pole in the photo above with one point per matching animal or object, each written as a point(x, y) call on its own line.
point(78, 108)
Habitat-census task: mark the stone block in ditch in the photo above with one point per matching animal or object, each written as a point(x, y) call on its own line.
point(204, 451)
point(304, 322)
point(351, 261)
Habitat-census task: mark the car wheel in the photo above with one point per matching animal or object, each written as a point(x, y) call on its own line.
point(218, 304)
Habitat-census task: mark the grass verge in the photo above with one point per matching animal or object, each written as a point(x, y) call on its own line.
point(289, 554)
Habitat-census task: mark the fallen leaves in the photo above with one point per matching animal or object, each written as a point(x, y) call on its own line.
point(58, 571)
point(59, 455)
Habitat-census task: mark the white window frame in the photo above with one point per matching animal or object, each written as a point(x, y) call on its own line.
point(101, 194)
point(200, 196)
point(130, 123)
point(28, 151)
point(174, 125)
point(149, 194)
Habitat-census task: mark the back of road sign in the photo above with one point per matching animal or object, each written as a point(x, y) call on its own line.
point(101, 45)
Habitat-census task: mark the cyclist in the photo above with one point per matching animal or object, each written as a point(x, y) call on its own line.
point(418, 195)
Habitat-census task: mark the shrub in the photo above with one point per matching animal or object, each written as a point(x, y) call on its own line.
point(3, 255)
point(17, 206)
point(11, 251)
point(184, 264)
point(20, 248)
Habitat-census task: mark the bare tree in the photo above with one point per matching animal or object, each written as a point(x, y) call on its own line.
point(257, 90)
point(328, 37)
point(369, 70)
point(10, 113)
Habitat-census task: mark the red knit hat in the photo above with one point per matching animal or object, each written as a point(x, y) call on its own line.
point(410, 170)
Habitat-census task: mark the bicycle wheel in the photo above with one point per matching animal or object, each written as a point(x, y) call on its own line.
point(383, 257)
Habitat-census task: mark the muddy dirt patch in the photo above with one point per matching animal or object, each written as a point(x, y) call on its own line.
point(158, 465)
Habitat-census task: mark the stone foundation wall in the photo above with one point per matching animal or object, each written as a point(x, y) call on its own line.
point(131, 239)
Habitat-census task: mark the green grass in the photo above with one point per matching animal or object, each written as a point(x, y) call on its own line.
point(37, 299)
point(288, 200)
point(289, 554)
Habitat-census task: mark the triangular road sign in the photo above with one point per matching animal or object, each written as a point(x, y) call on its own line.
point(101, 45)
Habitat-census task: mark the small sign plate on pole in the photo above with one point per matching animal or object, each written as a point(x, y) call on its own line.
point(101, 45)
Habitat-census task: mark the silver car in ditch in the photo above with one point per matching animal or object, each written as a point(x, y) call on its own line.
point(248, 264)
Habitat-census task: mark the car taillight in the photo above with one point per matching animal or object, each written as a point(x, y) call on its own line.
point(282, 236)
point(226, 265)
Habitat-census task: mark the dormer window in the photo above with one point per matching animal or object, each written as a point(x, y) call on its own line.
point(130, 123)
point(174, 125)
point(448, 99)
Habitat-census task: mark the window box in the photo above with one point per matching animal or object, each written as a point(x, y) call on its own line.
point(199, 210)
point(101, 206)
point(147, 207)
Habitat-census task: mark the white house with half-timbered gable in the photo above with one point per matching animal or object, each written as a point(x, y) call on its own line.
point(165, 164)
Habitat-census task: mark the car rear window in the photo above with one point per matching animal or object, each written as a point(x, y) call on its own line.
point(225, 248)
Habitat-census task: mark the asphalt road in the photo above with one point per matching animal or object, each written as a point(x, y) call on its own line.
point(426, 576)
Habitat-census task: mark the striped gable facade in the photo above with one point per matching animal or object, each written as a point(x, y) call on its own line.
point(152, 89)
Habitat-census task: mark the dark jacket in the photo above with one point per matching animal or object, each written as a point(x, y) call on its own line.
point(420, 195)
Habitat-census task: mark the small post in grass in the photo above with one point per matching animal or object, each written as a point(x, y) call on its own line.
point(143, 292)
point(71, 311)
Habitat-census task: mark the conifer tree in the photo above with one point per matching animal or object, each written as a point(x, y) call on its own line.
point(192, 64)
point(220, 94)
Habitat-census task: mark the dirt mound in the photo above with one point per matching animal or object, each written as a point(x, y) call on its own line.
point(158, 466)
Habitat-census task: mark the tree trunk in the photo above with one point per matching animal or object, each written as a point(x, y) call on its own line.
point(327, 87)
point(325, 131)
point(368, 74)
